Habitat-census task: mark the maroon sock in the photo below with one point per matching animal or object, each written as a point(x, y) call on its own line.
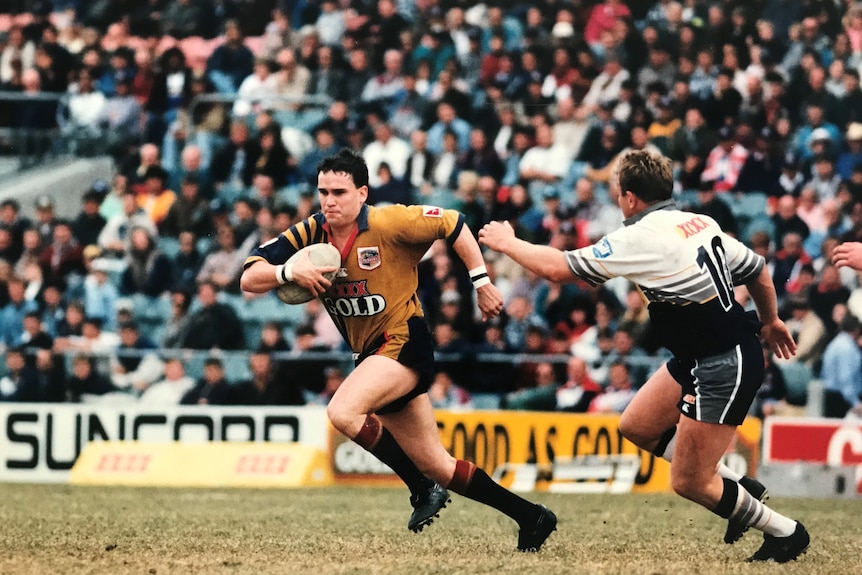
point(369, 435)
point(472, 482)
point(377, 440)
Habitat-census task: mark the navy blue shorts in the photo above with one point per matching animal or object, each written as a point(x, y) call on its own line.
point(720, 388)
point(411, 345)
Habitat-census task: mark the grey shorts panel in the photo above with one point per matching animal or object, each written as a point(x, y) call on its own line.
point(720, 388)
point(716, 383)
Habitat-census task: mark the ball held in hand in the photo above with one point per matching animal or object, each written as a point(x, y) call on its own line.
point(319, 255)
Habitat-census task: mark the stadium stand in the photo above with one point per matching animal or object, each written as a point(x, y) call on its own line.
point(556, 90)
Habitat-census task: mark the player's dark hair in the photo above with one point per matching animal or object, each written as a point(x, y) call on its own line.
point(349, 162)
point(647, 175)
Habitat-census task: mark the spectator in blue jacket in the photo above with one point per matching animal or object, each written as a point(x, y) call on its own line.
point(232, 62)
point(12, 314)
point(842, 371)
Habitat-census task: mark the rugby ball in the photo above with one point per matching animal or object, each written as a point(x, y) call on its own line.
point(320, 255)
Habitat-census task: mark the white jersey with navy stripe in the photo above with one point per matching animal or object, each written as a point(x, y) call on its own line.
point(686, 268)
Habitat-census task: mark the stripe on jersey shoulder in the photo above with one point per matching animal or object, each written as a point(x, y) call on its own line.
point(749, 266)
point(303, 233)
point(451, 238)
point(306, 230)
point(292, 237)
point(250, 260)
point(578, 265)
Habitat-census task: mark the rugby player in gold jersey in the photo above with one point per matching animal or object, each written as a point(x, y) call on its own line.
point(383, 405)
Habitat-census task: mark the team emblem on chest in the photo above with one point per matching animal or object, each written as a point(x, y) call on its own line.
point(369, 258)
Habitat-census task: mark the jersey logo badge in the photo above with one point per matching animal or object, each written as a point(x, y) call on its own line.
point(369, 258)
point(432, 212)
point(602, 248)
point(691, 227)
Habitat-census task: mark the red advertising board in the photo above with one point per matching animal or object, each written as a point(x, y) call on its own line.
point(834, 442)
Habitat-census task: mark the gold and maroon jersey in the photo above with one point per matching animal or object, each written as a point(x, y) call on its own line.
point(375, 290)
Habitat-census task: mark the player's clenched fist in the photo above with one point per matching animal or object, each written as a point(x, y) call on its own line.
point(847, 254)
point(490, 301)
point(496, 235)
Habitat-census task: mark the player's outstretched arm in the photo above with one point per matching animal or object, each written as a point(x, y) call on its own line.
point(848, 254)
point(544, 261)
point(774, 332)
point(489, 299)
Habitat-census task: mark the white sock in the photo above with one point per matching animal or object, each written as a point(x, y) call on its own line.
point(723, 470)
point(727, 473)
point(753, 513)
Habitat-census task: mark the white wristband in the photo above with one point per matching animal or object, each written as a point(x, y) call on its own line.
point(479, 277)
point(284, 273)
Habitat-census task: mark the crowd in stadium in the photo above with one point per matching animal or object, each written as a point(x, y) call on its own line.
point(217, 112)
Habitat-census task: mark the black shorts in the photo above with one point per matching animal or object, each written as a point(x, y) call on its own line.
point(720, 388)
point(412, 346)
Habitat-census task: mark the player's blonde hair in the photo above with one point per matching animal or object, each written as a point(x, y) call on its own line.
point(646, 174)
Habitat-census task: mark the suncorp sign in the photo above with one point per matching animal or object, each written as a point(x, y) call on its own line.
point(40, 442)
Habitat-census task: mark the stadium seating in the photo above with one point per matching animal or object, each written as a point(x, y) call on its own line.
point(169, 246)
point(749, 205)
point(749, 208)
point(485, 400)
point(235, 364)
point(760, 223)
point(686, 198)
point(442, 197)
point(797, 376)
point(151, 313)
point(195, 47)
point(255, 312)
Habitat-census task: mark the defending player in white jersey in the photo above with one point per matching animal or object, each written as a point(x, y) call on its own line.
point(686, 268)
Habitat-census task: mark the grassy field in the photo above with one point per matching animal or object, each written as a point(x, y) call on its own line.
point(76, 530)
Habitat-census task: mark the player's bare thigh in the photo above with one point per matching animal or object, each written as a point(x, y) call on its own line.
point(374, 383)
point(653, 410)
point(415, 430)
